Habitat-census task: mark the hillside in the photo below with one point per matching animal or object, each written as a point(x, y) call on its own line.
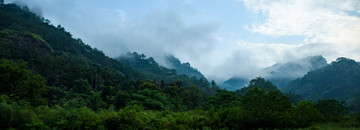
point(281, 74)
point(65, 61)
point(152, 70)
point(183, 68)
point(234, 83)
point(339, 80)
point(50, 80)
point(20, 38)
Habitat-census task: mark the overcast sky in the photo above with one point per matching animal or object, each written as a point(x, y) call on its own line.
point(222, 38)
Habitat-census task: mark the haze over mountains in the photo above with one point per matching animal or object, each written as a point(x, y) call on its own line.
point(281, 73)
point(339, 80)
point(222, 39)
point(51, 80)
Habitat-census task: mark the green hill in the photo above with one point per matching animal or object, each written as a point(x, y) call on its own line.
point(183, 68)
point(50, 80)
point(339, 80)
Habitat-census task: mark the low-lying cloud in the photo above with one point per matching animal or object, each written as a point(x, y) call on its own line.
point(331, 28)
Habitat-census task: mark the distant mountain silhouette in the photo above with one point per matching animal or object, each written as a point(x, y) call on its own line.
point(339, 80)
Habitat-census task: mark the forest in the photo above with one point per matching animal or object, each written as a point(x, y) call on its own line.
point(50, 80)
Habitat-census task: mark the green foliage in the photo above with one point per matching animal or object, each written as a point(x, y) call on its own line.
point(332, 109)
point(223, 98)
point(87, 90)
point(258, 82)
point(339, 80)
point(5, 115)
point(306, 114)
point(267, 109)
point(18, 83)
point(183, 68)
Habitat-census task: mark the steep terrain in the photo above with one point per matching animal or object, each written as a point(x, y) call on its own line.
point(281, 74)
point(340, 80)
point(49, 80)
point(183, 68)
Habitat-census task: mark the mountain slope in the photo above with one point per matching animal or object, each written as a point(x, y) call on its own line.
point(234, 83)
point(183, 68)
point(79, 74)
point(152, 70)
point(45, 47)
point(53, 53)
point(339, 80)
point(281, 74)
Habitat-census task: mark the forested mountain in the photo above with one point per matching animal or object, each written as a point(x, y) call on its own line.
point(234, 83)
point(183, 68)
point(339, 80)
point(49, 80)
point(152, 70)
point(281, 73)
point(69, 65)
point(257, 82)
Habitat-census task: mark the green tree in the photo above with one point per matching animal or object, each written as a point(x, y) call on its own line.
point(5, 115)
point(306, 114)
point(18, 83)
point(81, 86)
point(223, 98)
point(258, 82)
point(331, 109)
point(266, 109)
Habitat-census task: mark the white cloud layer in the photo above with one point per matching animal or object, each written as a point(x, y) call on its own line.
point(331, 28)
point(321, 21)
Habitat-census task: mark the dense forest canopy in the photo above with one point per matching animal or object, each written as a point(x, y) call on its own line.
point(50, 80)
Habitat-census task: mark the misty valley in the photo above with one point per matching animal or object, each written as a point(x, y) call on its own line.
point(51, 80)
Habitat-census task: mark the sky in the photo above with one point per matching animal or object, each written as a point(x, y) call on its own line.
point(222, 38)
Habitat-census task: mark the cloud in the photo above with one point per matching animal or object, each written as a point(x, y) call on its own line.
point(330, 21)
point(248, 60)
point(330, 27)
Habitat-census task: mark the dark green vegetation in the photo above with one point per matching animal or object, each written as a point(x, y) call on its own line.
point(339, 80)
point(50, 80)
point(183, 68)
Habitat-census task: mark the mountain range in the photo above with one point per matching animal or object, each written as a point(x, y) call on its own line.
point(339, 80)
point(281, 74)
point(67, 63)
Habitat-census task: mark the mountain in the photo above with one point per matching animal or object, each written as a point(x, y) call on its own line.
point(67, 62)
point(50, 80)
point(183, 68)
point(339, 80)
point(54, 53)
point(26, 36)
point(281, 74)
point(234, 83)
point(152, 70)
point(258, 82)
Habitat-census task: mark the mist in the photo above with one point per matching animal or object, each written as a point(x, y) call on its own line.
point(208, 38)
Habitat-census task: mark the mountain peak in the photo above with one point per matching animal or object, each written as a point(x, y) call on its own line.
point(183, 68)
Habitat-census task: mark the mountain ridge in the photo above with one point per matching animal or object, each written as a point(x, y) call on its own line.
point(339, 80)
point(281, 73)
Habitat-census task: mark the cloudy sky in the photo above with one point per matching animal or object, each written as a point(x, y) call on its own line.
point(222, 38)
